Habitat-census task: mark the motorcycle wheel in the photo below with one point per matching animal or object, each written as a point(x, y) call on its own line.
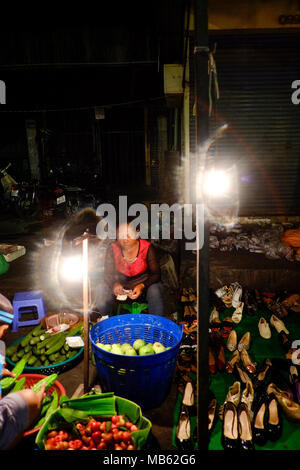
point(25, 210)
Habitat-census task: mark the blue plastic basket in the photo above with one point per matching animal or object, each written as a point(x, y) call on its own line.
point(143, 379)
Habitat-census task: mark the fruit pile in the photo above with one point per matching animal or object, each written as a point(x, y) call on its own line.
point(139, 347)
point(41, 349)
point(113, 434)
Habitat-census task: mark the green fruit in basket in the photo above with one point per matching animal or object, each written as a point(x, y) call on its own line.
point(130, 352)
point(138, 344)
point(158, 347)
point(106, 347)
point(125, 346)
point(145, 350)
point(49, 381)
point(116, 348)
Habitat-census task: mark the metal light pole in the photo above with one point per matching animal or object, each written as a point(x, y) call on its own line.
point(201, 87)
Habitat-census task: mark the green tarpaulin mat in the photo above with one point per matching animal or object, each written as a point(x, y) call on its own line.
point(260, 349)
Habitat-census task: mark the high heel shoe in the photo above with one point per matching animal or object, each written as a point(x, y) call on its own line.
point(278, 324)
point(290, 408)
point(237, 314)
point(235, 358)
point(233, 395)
point(273, 423)
point(244, 342)
point(247, 362)
point(264, 329)
point(245, 429)
point(232, 341)
point(259, 422)
point(262, 374)
point(188, 395)
point(294, 380)
point(248, 396)
point(214, 320)
point(230, 434)
point(244, 377)
point(183, 431)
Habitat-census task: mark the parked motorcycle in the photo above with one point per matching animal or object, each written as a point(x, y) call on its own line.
point(20, 197)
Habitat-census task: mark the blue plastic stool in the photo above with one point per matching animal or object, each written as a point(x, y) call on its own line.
point(26, 300)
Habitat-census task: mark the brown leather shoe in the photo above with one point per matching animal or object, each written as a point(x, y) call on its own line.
point(244, 342)
point(235, 358)
point(247, 362)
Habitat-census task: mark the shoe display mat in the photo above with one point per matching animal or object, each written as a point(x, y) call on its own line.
point(259, 350)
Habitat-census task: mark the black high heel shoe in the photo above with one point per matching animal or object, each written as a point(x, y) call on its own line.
point(245, 429)
point(230, 434)
point(212, 411)
point(259, 422)
point(262, 375)
point(183, 431)
point(274, 421)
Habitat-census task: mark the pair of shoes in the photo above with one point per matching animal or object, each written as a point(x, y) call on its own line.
point(235, 395)
point(236, 430)
point(264, 329)
point(267, 422)
point(248, 364)
point(216, 353)
point(244, 342)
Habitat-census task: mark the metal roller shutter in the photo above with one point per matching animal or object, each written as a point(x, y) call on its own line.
point(255, 73)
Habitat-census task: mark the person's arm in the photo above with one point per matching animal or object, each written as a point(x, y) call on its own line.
point(153, 267)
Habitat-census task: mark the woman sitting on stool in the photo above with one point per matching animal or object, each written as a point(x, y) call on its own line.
point(131, 264)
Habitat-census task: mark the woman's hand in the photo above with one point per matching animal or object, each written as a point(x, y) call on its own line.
point(34, 401)
point(118, 289)
point(7, 373)
point(136, 291)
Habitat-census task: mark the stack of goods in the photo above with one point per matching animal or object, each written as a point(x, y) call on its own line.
point(186, 359)
point(271, 240)
point(254, 375)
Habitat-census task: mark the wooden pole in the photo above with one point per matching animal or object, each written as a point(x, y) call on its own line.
point(85, 296)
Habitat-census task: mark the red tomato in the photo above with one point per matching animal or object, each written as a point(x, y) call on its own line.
point(134, 428)
point(96, 436)
point(128, 424)
point(95, 426)
point(88, 430)
point(123, 445)
point(118, 436)
point(102, 426)
point(126, 436)
point(102, 446)
point(130, 447)
point(86, 440)
point(63, 434)
point(107, 436)
point(85, 448)
point(50, 444)
point(115, 419)
point(52, 434)
point(80, 427)
point(92, 444)
point(117, 447)
point(121, 421)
